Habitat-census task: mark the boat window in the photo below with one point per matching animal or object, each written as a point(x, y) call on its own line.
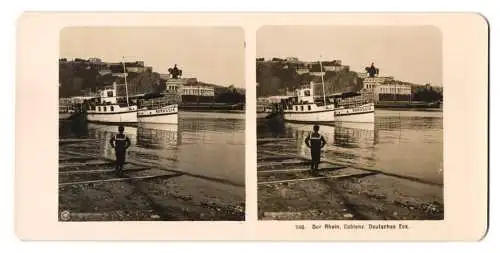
point(104, 108)
point(110, 93)
point(301, 107)
point(112, 108)
point(99, 108)
point(309, 107)
point(307, 93)
point(296, 108)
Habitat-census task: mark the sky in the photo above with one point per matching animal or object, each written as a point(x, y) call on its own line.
point(409, 53)
point(211, 54)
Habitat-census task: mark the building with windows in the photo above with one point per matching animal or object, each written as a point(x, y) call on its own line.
point(177, 84)
point(335, 68)
point(135, 67)
point(198, 90)
point(392, 91)
point(197, 93)
point(387, 89)
point(384, 88)
point(370, 83)
point(131, 67)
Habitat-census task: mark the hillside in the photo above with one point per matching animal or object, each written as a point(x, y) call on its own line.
point(275, 78)
point(76, 78)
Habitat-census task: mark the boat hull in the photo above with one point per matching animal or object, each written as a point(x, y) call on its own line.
point(127, 117)
point(165, 115)
point(361, 114)
point(324, 116)
point(171, 118)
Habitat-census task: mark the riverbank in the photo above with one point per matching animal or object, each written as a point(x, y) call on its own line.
point(211, 106)
point(90, 191)
point(287, 190)
point(214, 111)
point(405, 105)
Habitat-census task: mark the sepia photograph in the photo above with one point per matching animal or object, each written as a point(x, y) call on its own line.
point(151, 124)
point(344, 133)
point(349, 123)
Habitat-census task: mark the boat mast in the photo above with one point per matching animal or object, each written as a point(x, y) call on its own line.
point(125, 75)
point(322, 81)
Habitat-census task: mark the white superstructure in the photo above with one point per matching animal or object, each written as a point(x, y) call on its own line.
point(304, 108)
point(160, 113)
point(107, 109)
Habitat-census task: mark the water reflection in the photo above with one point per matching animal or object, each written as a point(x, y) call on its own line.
point(104, 133)
point(158, 136)
point(73, 128)
point(214, 147)
point(344, 144)
point(409, 143)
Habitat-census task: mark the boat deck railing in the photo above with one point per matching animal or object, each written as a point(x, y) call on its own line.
point(156, 103)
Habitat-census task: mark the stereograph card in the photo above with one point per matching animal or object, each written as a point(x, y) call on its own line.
point(252, 126)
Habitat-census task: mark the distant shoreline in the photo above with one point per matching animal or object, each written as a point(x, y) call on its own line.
point(430, 109)
point(214, 111)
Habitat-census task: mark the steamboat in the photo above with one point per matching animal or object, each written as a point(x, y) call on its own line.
point(345, 107)
point(161, 108)
point(303, 107)
point(107, 107)
point(354, 107)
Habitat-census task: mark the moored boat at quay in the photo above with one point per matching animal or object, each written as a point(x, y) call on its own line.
point(107, 108)
point(161, 110)
point(303, 108)
point(345, 107)
point(353, 107)
point(308, 112)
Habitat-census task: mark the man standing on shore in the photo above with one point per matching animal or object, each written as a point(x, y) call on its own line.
point(120, 143)
point(315, 141)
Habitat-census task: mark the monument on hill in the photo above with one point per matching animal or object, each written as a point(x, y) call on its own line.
point(175, 72)
point(372, 71)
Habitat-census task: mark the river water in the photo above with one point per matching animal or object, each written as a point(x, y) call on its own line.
point(208, 144)
point(407, 143)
